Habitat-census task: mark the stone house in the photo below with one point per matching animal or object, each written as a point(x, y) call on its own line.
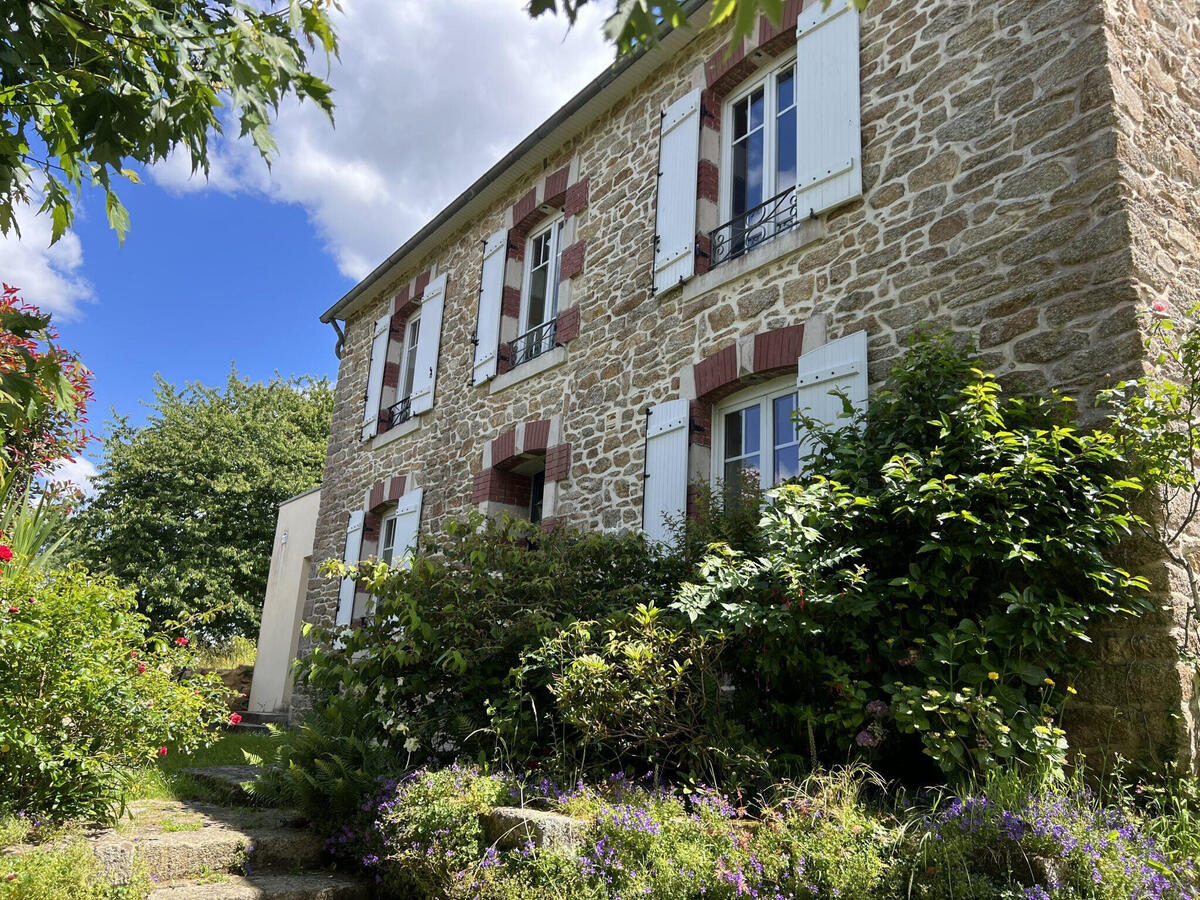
point(636, 297)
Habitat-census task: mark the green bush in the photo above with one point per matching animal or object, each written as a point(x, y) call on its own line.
point(638, 691)
point(87, 696)
point(931, 577)
point(446, 633)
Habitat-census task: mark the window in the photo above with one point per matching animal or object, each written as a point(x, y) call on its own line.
point(387, 539)
point(408, 357)
point(402, 410)
point(755, 434)
point(539, 294)
point(757, 199)
point(537, 490)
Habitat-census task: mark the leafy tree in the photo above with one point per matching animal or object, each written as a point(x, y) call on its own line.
point(635, 24)
point(185, 505)
point(87, 86)
point(44, 393)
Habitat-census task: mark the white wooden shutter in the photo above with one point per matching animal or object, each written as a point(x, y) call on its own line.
point(354, 533)
point(408, 522)
point(491, 288)
point(379, 349)
point(666, 468)
point(828, 115)
point(428, 341)
point(839, 367)
point(675, 216)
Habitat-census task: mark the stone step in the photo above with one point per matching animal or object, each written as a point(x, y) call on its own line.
point(265, 886)
point(188, 840)
point(264, 718)
point(228, 781)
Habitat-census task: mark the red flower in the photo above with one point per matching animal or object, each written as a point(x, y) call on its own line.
point(235, 719)
point(133, 654)
point(13, 609)
point(181, 641)
point(162, 751)
point(141, 668)
point(5, 553)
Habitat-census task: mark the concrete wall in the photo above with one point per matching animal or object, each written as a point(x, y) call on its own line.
point(283, 607)
point(1001, 198)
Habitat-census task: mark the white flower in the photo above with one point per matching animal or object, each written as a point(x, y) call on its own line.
point(412, 745)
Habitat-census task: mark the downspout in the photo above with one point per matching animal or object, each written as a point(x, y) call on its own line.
point(340, 346)
point(645, 462)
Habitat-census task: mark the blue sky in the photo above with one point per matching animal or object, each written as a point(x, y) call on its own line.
point(236, 269)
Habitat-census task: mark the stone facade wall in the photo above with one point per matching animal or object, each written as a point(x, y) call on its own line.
point(1154, 69)
point(993, 203)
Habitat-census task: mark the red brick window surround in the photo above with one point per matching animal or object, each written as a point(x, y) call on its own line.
point(406, 302)
point(516, 465)
point(527, 329)
point(724, 71)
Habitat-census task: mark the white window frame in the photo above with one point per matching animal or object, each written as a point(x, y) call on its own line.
point(763, 396)
point(764, 78)
point(554, 227)
point(408, 348)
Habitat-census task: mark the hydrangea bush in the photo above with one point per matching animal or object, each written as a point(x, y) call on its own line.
point(927, 584)
point(88, 695)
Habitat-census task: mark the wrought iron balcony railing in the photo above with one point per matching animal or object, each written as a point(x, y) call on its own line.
point(756, 226)
point(400, 412)
point(532, 344)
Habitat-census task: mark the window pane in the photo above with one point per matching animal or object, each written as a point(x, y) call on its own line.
point(785, 151)
point(787, 462)
point(757, 107)
point(787, 449)
point(537, 488)
point(410, 362)
point(537, 297)
point(785, 89)
point(739, 119)
point(733, 434)
point(387, 547)
point(737, 469)
point(785, 428)
point(752, 416)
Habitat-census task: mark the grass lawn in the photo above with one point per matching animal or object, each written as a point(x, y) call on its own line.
point(166, 780)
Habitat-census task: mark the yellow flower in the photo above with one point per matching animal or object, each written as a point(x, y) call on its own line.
point(1071, 690)
point(1050, 681)
point(994, 676)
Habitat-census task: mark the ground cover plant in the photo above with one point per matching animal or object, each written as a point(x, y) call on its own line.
point(838, 834)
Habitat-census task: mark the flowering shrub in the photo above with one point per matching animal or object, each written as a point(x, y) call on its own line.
point(423, 839)
point(87, 696)
point(928, 582)
point(1049, 843)
point(44, 392)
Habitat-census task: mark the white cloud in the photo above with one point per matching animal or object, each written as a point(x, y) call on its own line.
point(78, 471)
point(48, 275)
point(428, 96)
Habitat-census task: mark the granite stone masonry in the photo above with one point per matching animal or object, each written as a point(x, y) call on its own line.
point(1028, 177)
